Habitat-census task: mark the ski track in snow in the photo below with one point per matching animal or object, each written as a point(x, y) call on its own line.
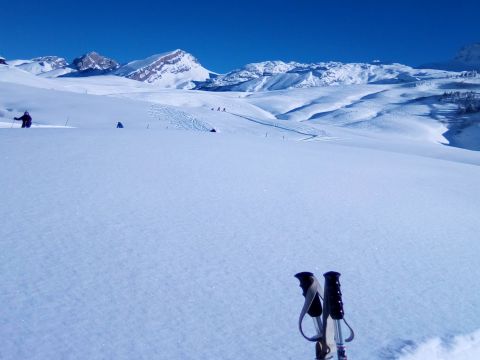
point(177, 119)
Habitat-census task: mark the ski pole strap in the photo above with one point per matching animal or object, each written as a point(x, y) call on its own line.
point(312, 293)
point(352, 334)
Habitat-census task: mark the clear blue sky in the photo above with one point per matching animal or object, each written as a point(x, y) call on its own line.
point(227, 34)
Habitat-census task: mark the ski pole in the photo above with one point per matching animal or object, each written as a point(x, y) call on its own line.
point(313, 307)
point(333, 297)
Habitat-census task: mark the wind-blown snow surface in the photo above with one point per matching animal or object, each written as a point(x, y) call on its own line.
point(156, 242)
point(151, 244)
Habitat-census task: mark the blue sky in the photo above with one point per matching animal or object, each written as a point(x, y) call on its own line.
point(224, 35)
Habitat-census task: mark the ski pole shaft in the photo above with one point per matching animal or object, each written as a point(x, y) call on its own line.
point(341, 354)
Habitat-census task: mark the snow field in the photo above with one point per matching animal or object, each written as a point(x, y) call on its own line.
point(133, 244)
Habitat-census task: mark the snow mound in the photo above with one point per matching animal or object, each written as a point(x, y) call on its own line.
point(458, 348)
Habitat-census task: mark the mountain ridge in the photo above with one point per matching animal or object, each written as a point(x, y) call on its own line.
point(180, 69)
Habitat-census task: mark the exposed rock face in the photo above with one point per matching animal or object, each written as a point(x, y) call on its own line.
point(94, 61)
point(177, 69)
point(2, 61)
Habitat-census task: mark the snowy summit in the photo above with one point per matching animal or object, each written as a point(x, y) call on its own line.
point(175, 69)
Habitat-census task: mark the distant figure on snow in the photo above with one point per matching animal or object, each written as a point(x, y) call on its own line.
point(213, 130)
point(224, 110)
point(26, 120)
point(119, 125)
point(218, 108)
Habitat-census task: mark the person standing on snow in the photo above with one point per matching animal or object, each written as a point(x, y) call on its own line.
point(26, 120)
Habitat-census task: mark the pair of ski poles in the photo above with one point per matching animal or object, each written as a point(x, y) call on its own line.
point(332, 308)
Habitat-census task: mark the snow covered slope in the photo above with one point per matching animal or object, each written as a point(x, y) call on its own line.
point(175, 69)
point(420, 111)
point(163, 240)
point(277, 75)
point(143, 244)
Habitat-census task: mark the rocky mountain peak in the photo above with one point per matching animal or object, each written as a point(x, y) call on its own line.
point(172, 69)
point(94, 61)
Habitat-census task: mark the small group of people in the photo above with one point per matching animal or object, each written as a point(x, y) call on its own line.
point(26, 120)
point(218, 109)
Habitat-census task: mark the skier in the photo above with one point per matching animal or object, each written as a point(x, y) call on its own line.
point(119, 125)
point(26, 120)
point(218, 109)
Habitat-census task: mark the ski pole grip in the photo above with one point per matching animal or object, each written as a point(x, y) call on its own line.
point(334, 295)
point(306, 280)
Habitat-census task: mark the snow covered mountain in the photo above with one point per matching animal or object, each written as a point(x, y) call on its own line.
point(175, 69)
point(41, 64)
point(467, 59)
point(181, 70)
point(93, 61)
point(278, 75)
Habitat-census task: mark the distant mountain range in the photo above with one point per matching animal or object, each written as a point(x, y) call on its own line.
point(179, 69)
point(467, 59)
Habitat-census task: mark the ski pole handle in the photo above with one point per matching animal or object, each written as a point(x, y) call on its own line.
point(306, 280)
point(332, 290)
